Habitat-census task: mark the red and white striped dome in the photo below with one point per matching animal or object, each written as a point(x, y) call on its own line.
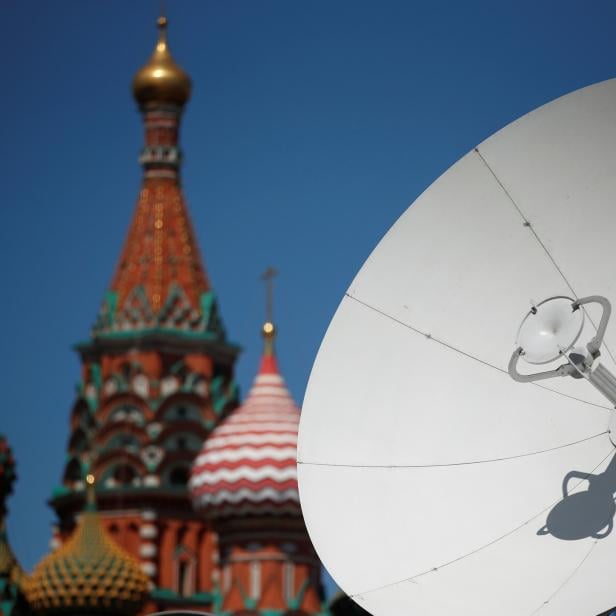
point(247, 465)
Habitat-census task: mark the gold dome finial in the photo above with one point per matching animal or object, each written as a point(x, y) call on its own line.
point(90, 493)
point(161, 80)
point(269, 329)
point(269, 333)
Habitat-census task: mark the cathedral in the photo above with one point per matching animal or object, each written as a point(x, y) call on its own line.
point(176, 494)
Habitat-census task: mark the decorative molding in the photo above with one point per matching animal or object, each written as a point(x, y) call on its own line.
point(148, 550)
point(148, 531)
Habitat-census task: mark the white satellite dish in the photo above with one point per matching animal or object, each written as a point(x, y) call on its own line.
point(431, 481)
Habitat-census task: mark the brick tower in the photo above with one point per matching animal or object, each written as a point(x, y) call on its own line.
point(157, 372)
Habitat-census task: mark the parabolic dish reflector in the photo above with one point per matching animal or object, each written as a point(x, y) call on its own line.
point(431, 482)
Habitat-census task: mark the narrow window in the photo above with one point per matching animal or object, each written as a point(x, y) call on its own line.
point(255, 579)
point(289, 580)
point(226, 578)
point(185, 578)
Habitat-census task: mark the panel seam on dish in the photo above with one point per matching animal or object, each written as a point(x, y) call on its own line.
point(567, 580)
point(413, 578)
point(527, 223)
point(464, 353)
point(450, 464)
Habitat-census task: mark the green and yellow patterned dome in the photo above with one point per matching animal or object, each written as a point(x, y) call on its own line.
point(90, 573)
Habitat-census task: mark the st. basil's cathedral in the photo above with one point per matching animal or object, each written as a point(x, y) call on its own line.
point(175, 494)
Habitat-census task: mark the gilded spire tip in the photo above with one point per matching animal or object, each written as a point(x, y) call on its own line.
point(269, 333)
point(161, 23)
point(90, 493)
point(269, 329)
point(162, 18)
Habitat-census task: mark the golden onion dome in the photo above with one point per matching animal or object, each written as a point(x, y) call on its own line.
point(161, 80)
point(89, 573)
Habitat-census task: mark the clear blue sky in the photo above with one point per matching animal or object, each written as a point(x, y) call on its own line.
point(312, 127)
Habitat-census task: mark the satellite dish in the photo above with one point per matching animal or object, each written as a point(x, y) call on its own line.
point(431, 481)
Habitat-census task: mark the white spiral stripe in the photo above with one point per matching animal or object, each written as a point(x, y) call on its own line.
point(269, 390)
point(261, 427)
point(268, 379)
point(261, 416)
point(231, 475)
point(247, 453)
point(250, 439)
point(256, 398)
